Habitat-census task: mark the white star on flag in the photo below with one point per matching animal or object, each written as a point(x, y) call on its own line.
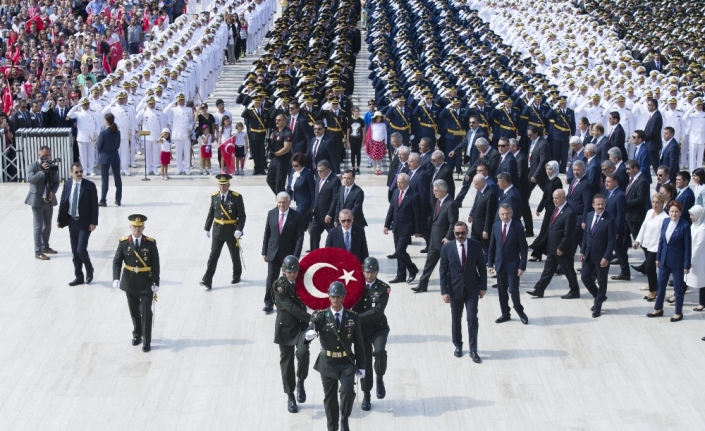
point(347, 276)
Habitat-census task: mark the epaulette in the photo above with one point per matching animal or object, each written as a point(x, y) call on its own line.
point(125, 238)
point(318, 315)
point(234, 193)
point(214, 193)
point(150, 239)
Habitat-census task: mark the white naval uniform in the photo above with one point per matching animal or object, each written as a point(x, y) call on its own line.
point(181, 133)
point(86, 136)
point(153, 121)
point(695, 128)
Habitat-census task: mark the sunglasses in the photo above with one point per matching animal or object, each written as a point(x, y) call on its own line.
point(345, 221)
point(503, 145)
point(461, 233)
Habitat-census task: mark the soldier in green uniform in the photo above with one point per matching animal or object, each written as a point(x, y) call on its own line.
point(370, 310)
point(140, 278)
point(289, 329)
point(339, 329)
point(227, 210)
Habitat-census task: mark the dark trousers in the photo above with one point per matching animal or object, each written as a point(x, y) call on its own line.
point(469, 302)
point(650, 269)
point(549, 268)
point(42, 226)
point(378, 343)
point(621, 247)
point(105, 181)
point(216, 248)
point(330, 398)
point(317, 229)
point(599, 290)
point(404, 262)
point(701, 297)
point(355, 153)
point(141, 312)
point(654, 160)
point(286, 363)
point(134, 47)
point(276, 175)
point(664, 272)
point(463, 192)
point(256, 141)
point(526, 214)
point(508, 284)
point(432, 259)
point(559, 153)
point(274, 268)
point(241, 50)
point(79, 248)
point(484, 243)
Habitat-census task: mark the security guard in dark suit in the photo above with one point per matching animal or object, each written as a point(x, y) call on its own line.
point(289, 328)
point(227, 210)
point(339, 329)
point(370, 310)
point(140, 278)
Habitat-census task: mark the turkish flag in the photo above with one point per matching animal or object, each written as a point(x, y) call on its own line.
point(106, 64)
point(115, 54)
point(6, 100)
point(37, 20)
point(322, 267)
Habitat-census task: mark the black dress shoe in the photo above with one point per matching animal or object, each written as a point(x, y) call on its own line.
point(503, 318)
point(524, 319)
point(268, 307)
point(381, 390)
point(698, 309)
point(494, 286)
point(475, 357)
point(419, 289)
point(76, 282)
point(639, 269)
point(412, 277)
point(559, 270)
point(89, 277)
point(117, 203)
point(535, 293)
point(397, 280)
point(703, 338)
point(102, 204)
point(344, 424)
point(366, 405)
point(300, 392)
point(392, 256)
point(571, 295)
point(424, 250)
point(458, 352)
point(677, 319)
point(596, 312)
point(146, 348)
point(621, 277)
point(136, 341)
point(291, 404)
point(535, 259)
point(670, 283)
point(235, 280)
point(529, 233)
point(206, 285)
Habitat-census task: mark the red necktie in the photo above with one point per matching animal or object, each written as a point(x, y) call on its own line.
point(320, 184)
point(553, 217)
point(462, 253)
point(575, 183)
point(291, 126)
point(401, 195)
point(281, 222)
point(629, 186)
point(438, 207)
point(504, 234)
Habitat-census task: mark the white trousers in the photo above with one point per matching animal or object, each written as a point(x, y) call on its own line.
point(183, 154)
point(685, 150)
point(86, 154)
point(152, 153)
point(695, 156)
point(124, 155)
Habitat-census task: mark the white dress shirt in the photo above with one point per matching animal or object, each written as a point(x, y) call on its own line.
point(650, 232)
point(460, 250)
point(669, 230)
point(75, 188)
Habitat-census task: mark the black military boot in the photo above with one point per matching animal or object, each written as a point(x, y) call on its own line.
point(366, 405)
point(291, 404)
point(381, 391)
point(300, 392)
point(344, 424)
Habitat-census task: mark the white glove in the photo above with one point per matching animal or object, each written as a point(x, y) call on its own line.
point(238, 234)
point(411, 137)
point(438, 136)
point(116, 283)
point(208, 233)
point(155, 288)
point(310, 335)
point(361, 373)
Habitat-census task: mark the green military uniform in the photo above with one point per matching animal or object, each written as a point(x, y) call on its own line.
point(140, 273)
point(289, 329)
point(334, 362)
point(225, 215)
point(370, 309)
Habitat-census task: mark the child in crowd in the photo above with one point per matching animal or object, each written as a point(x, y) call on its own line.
point(356, 131)
point(206, 141)
point(371, 108)
point(165, 157)
point(241, 147)
point(376, 141)
point(226, 146)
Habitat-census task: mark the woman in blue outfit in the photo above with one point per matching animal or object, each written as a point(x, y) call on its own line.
point(302, 186)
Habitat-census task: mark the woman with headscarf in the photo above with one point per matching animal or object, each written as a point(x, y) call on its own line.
point(696, 276)
point(553, 184)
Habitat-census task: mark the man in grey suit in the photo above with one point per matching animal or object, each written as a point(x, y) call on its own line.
point(43, 185)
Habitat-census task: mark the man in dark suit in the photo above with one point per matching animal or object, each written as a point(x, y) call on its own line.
point(283, 236)
point(684, 194)
point(616, 207)
point(670, 154)
point(443, 218)
point(322, 148)
point(21, 118)
point(397, 166)
point(482, 213)
point(351, 197)
point(420, 182)
point(39, 118)
point(474, 133)
point(441, 171)
point(596, 251)
point(593, 169)
point(463, 276)
point(616, 136)
point(576, 145)
point(601, 142)
point(507, 256)
point(523, 186)
point(301, 128)
point(43, 185)
point(652, 132)
point(425, 154)
point(510, 195)
point(404, 219)
point(489, 157)
point(58, 119)
point(655, 64)
point(348, 236)
point(327, 189)
point(560, 248)
point(507, 161)
point(638, 198)
point(538, 157)
point(580, 192)
point(78, 210)
point(641, 154)
point(620, 167)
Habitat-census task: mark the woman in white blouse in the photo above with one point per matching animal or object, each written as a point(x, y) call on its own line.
point(696, 276)
point(648, 238)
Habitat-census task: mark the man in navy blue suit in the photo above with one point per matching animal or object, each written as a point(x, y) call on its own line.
point(620, 167)
point(404, 219)
point(617, 137)
point(641, 154)
point(593, 171)
point(301, 128)
point(670, 154)
point(507, 256)
point(596, 251)
point(616, 206)
point(684, 194)
point(463, 275)
point(578, 154)
point(322, 148)
point(349, 236)
point(580, 193)
point(507, 161)
point(652, 132)
point(510, 195)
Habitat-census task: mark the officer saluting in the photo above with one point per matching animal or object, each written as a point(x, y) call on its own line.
point(370, 310)
point(227, 210)
point(140, 278)
point(289, 329)
point(338, 329)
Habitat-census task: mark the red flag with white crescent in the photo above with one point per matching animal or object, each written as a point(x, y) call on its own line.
point(322, 267)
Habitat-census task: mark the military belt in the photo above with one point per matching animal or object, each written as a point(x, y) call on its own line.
point(536, 124)
point(334, 129)
point(219, 221)
point(334, 354)
point(432, 126)
point(136, 269)
point(258, 130)
point(457, 132)
point(562, 129)
point(502, 126)
point(399, 128)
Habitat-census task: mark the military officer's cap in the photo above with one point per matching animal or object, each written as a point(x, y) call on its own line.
point(85, 101)
point(621, 98)
point(147, 72)
point(334, 101)
point(370, 264)
point(95, 89)
point(672, 100)
point(562, 99)
point(120, 72)
point(223, 178)
point(180, 96)
point(151, 100)
point(538, 95)
point(121, 95)
point(290, 264)
point(698, 101)
point(126, 84)
point(336, 288)
point(133, 84)
point(137, 219)
point(158, 88)
point(401, 99)
point(595, 96)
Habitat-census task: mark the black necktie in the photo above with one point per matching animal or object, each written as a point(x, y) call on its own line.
point(137, 244)
point(337, 320)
